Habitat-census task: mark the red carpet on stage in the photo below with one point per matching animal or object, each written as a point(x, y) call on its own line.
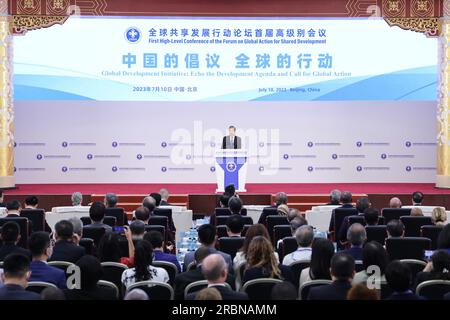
point(290, 188)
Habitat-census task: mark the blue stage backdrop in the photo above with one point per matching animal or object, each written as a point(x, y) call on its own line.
point(110, 100)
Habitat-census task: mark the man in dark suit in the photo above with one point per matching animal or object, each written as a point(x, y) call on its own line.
point(362, 204)
point(342, 273)
point(215, 270)
point(90, 272)
point(111, 200)
point(13, 209)
point(41, 249)
point(10, 236)
point(65, 249)
point(357, 236)
point(183, 279)
point(164, 197)
point(231, 141)
point(335, 198)
point(398, 276)
point(346, 200)
point(97, 214)
point(207, 237)
point(280, 198)
point(16, 272)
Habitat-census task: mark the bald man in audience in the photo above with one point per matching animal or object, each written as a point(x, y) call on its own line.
point(395, 203)
point(215, 271)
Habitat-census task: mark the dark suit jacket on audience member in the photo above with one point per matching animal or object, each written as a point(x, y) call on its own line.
point(40, 271)
point(67, 251)
point(12, 248)
point(335, 291)
point(183, 279)
point(264, 215)
point(225, 292)
point(355, 252)
point(16, 292)
point(98, 293)
point(331, 227)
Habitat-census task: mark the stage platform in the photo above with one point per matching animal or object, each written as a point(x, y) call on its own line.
point(202, 199)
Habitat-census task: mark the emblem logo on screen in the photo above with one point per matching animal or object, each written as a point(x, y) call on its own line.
point(133, 35)
point(231, 167)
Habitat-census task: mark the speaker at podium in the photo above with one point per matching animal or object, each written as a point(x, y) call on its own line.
point(231, 168)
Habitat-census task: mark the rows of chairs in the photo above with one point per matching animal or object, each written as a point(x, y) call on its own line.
point(258, 289)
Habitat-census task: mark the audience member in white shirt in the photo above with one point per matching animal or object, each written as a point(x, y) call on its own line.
point(304, 237)
point(143, 270)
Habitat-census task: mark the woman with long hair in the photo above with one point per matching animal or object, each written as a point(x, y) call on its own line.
point(143, 270)
point(374, 254)
point(319, 268)
point(252, 232)
point(261, 262)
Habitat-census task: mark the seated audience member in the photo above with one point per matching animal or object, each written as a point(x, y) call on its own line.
point(41, 250)
point(207, 238)
point(65, 249)
point(2, 200)
point(294, 213)
point(13, 209)
point(137, 229)
point(109, 248)
point(371, 216)
point(356, 236)
point(443, 241)
point(111, 200)
point(436, 269)
point(32, 203)
point(342, 272)
point(143, 214)
point(284, 291)
point(90, 272)
point(304, 237)
point(280, 198)
point(417, 198)
point(150, 204)
point(185, 278)
point(156, 240)
point(416, 212)
point(261, 263)
point(235, 225)
point(164, 193)
point(395, 229)
point(51, 294)
point(215, 271)
point(362, 204)
point(252, 232)
point(16, 272)
point(319, 268)
point(77, 229)
point(137, 295)
point(373, 255)
point(143, 270)
point(346, 200)
point(283, 210)
point(230, 190)
point(361, 292)
point(335, 198)
point(395, 203)
point(439, 216)
point(223, 200)
point(295, 223)
point(157, 198)
point(398, 276)
point(208, 294)
point(97, 214)
point(77, 199)
point(10, 236)
point(235, 205)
